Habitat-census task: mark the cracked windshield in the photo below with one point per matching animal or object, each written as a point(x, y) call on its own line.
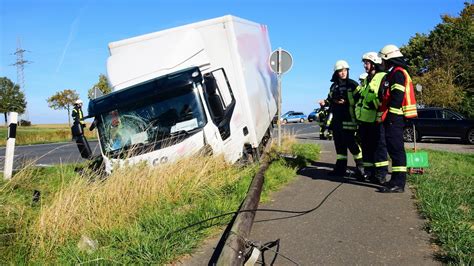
point(152, 122)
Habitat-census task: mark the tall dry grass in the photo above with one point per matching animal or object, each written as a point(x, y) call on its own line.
point(83, 207)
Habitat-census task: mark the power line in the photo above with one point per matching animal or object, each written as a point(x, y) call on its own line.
point(20, 67)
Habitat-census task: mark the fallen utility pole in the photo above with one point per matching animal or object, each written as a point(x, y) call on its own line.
point(234, 247)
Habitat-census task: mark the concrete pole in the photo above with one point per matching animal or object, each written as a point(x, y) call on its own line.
point(10, 149)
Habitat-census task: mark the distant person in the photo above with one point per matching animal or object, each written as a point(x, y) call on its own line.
point(341, 105)
point(323, 117)
point(77, 114)
point(366, 111)
point(397, 102)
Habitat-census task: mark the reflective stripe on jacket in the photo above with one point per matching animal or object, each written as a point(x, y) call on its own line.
point(408, 108)
point(366, 107)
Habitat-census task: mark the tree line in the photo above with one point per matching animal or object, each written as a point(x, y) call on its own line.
point(442, 62)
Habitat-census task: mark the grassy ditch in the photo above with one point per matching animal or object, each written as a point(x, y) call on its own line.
point(134, 216)
point(445, 196)
point(38, 134)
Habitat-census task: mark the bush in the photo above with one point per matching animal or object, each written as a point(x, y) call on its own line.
point(24, 123)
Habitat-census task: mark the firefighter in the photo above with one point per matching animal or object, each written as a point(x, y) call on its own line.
point(322, 119)
point(77, 113)
point(366, 111)
point(397, 102)
point(343, 124)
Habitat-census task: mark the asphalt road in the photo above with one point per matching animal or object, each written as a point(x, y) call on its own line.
point(49, 154)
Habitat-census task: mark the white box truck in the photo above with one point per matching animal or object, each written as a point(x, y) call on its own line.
point(202, 86)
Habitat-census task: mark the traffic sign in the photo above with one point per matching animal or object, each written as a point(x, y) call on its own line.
point(280, 61)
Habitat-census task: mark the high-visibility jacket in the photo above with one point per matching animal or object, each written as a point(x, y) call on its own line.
point(368, 103)
point(322, 116)
point(343, 113)
point(408, 108)
point(78, 115)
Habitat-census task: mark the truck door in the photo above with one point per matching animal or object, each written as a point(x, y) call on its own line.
point(221, 104)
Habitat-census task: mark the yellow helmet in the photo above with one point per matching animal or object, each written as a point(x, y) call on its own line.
point(341, 64)
point(390, 51)
point(372, 56)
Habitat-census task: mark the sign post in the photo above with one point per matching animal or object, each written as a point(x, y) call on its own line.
point(419, 89)
point(10, 149)
point(280, 62)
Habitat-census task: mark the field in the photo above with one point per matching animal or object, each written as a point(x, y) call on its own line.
point(45, 133)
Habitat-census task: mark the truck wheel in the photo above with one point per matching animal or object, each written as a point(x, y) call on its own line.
point(284, 121)
point(470, 136)
point(301, 120)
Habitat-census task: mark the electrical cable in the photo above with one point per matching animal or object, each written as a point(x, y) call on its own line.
point(297, 213)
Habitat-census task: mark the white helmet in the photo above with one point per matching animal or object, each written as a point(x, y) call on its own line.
point(390, 51)
point(341, 64)
point(78, 101)
point(372, 56)
point(363, 76)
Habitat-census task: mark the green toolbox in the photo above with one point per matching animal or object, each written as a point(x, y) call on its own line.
point(416, 161)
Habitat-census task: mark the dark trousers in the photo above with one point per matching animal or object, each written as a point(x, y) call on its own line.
point(368, 142)
point(396, 149)
point(381, 158)
point(322, 128)
point(390, 140)
point(343, 140)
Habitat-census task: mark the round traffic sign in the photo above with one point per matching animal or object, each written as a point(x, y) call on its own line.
point(280, 61)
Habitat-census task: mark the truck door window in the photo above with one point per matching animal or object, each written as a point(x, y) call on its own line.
point(220, 100)
point(223, 87)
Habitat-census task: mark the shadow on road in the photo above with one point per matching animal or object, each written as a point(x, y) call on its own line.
point(320, 171)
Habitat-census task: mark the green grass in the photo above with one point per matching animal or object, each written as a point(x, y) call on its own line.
point(445, 196)
point(131, 221)
point(38, 134)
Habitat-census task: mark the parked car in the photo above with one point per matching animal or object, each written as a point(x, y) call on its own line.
point(293, 117)
point(275, 118)
point(439, 123)
point(313, 116)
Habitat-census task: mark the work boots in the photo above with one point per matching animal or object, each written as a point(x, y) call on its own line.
point(369, 173)
point(339, 169)
point(359, 173)
point(380, 176)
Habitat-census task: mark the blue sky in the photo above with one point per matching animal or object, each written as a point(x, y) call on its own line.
point(67, 39)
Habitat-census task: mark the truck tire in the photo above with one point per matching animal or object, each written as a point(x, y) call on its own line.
point(284, 121)
point(301, 120)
